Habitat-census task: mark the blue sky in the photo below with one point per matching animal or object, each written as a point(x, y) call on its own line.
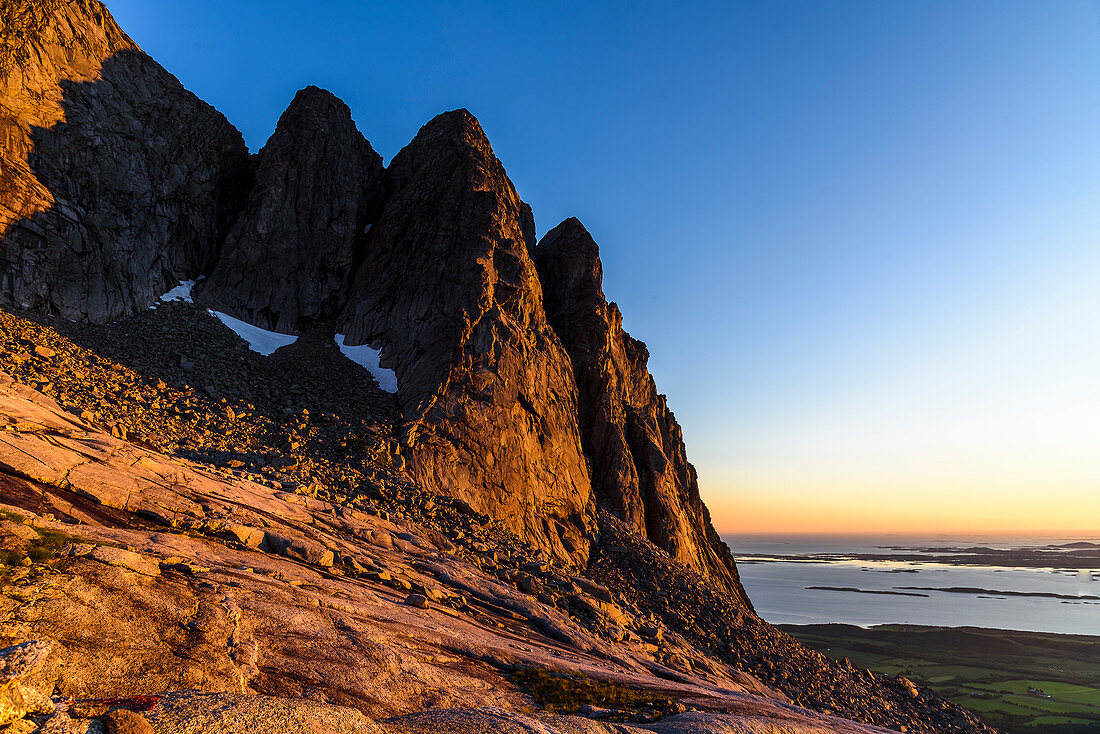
point(860, 238)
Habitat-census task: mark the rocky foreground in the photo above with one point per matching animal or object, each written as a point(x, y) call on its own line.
point(218, 563)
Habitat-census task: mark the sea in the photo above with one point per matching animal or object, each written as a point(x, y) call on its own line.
point(778, 572)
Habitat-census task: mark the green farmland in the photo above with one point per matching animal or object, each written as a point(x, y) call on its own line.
point(1020, 682)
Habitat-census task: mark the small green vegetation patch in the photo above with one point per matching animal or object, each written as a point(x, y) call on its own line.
point(564, 692)
point(11, 516)
point(40, 549)
point(1019, 682)
point(1056, 690)
point(1055, 720)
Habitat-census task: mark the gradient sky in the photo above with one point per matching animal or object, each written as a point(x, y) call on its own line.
point(861, 239)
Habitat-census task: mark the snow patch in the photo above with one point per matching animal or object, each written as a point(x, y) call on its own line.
point(370, 359)
point(259, 340)
point(181, 292)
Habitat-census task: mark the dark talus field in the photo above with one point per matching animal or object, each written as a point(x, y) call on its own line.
point(1024, 682)
point(200, 536)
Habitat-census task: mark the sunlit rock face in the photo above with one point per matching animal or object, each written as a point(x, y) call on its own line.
point(115, 179)
point(287, 260)
point(448, 290)
point(639, 461)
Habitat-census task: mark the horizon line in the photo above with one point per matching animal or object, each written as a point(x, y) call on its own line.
point(1094, 533)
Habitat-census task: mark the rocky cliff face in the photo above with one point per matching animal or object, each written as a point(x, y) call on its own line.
point(119, 183)
point(448, 290)
point(639, 462)
point(287, 260)
point(115, 179)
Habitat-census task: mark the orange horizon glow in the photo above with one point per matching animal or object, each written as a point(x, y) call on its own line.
point(983, 419)
point(823, 512)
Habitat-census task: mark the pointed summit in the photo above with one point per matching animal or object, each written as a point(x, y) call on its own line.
point(569, 258)
point(456, 125)
point(639, 461)
point(449, 143)
point(287, 261)
point(448, 291)
point(314, 110)
point(454, 130)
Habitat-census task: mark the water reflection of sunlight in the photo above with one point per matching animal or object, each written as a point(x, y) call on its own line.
point(1084, 582)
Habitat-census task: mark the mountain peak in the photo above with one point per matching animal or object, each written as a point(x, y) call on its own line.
point(313, 98)
point(444, 142)
point(639, 461)
point(457, 124)
point(569, 258)
point(287, 260)
point(448, 291)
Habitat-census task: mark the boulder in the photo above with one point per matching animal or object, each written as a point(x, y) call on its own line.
point(17, 663)
point(24, 659)
point(125, 559)
point(125, 721)
point(249, 536)
point(302, 549)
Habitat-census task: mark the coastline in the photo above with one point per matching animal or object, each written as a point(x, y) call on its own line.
point(941, 581)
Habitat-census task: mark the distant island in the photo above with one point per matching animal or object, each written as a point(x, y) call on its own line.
point(1076, 556)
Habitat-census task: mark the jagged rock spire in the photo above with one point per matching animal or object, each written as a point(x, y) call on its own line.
point(287, 260)
point(448, 290)
point(639, 461)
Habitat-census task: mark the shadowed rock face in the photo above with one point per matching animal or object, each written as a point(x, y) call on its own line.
point(639, 461)
point(115, 179)
point(287, 260)
point(448, 290)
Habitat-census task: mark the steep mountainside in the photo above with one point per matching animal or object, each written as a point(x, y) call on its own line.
point(639, 462)
point(198, 533)
point(448, 290)
point(248, 539)
point(115, 179)
point(286, 261)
